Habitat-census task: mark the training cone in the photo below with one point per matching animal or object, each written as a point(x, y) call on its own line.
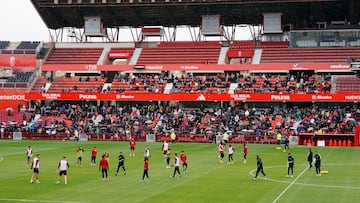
point(339, 143)
point(308, 142)
point(331, 143)
point(335, 143)
point(304, 142)
point(324, 172)
point(344, 143)
point(349, 143)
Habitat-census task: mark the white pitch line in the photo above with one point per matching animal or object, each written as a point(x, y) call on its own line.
point(33, 200)
point(292, 183)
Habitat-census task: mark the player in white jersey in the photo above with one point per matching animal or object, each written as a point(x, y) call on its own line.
point(29, 153)
point(35, 167)
point(63, 167)
point(231, 152)
point(176, 166)
point(165, 148)
point(147, 153)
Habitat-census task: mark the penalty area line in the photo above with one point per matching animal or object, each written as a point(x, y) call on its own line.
point(33, 200)
point(292, 183)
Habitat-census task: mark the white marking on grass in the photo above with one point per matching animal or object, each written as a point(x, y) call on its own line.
point(33, 200)
point(292, 183)
point(310, 184)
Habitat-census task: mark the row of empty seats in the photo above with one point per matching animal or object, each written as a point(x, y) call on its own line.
point(74, 56)
point(347, 84)
point(4, 44)
point(208, 53)
point(309, 55)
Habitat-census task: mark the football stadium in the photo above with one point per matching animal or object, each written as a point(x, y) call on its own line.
point(165, 101)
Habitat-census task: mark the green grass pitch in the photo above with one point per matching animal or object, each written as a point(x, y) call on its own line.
point(207, 180)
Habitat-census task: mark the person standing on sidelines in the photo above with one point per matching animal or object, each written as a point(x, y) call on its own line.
point(132, 146)
point(184, 161)
point(104, 167)
point(63, 166)
point(317, 158)
point(176, 166)
point(35, 167)
point(291, 161)
point(29, 154)
point(221, 152)
point(246, 149)
point(93, 156)
point(310, 158)
point(231, 152)
point(259, 167)
point(146, 170)
point(121, 163)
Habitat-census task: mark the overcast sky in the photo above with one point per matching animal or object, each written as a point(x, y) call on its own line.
point(20, 22)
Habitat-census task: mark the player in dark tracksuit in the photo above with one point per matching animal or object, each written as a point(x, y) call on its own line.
point(310, 158)
point(317, 163)
point(291, 162)
point(121, 161)
point(259, 167)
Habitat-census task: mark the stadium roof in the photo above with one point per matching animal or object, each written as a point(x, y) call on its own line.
point(168, 13)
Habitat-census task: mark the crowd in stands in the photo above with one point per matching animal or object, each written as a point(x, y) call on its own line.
point(151, 83)
point(137, 120)
point(206, 83)
point(303, 83)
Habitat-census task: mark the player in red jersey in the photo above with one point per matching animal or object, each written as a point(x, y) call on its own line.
point(184, 161)
point(104, 167)
point(245, 152)
point(146, 170)
point(132, 145)
point(93, 156)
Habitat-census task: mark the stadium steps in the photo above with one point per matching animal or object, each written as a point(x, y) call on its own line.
point(222, 55)
point(103, 56)
point(135, 56)
point(257, 56)
point(168, 88)
point(233, 87)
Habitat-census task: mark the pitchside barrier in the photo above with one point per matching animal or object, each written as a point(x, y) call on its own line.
point(17, 136)
point(150, 138)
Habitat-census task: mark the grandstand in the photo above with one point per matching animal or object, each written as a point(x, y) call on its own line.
point(288, 74)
